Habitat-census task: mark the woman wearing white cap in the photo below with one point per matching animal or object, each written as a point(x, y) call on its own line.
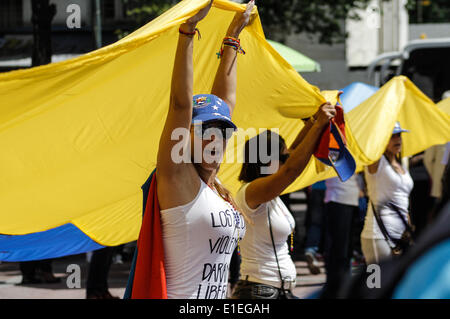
point(389, 185)
point(200, 225)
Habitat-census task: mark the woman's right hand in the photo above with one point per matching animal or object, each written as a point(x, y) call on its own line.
point(191, 23)
point(326, 112)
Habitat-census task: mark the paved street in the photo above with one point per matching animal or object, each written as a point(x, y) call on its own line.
point(10, 278)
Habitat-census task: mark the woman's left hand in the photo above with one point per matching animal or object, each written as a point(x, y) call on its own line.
point(241, 20)
point(326, 112)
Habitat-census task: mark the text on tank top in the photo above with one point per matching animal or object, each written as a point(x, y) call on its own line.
point(199, 239)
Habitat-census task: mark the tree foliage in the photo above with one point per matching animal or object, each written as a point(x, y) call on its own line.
point(428, 11)
point(321, 18)
point(143, 11)
point(140, 12)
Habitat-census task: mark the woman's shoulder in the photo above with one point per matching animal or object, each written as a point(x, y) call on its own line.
point(242, 202)
point(183, 208)
point(372, 170)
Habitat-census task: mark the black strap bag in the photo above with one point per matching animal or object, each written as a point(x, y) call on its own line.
point(400, 244)
point(285, 293)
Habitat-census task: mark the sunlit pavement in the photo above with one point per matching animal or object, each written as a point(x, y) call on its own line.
point(308, 284)
point(10, 279)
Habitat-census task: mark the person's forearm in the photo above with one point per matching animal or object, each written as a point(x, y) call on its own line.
point(301, 155)
point(301, 135)
point(183, 70)
point(224, 85)
point(225, 81)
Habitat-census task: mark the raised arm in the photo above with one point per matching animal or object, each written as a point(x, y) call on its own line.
point(225, 81)
point(302, 134)
point(266, 188)
point(179, 116)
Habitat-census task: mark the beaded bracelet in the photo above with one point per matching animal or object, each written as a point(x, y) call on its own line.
point(190, 34)
point(230, 42)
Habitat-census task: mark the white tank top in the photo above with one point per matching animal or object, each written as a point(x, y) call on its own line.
point(383, 186)
point(258, 258)
point(199, 239)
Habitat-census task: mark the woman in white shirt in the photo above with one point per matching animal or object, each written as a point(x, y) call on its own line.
point(200, 225)
point(267, 270)
point(388, 183)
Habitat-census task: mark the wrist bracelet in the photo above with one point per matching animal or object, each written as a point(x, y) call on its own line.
point(190, 34)
point(230, 42)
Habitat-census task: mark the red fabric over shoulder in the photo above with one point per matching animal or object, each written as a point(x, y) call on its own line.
point(150, 275)
point(324, 143)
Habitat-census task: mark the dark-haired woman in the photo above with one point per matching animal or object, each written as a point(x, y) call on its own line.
point(200, 226)
point(267, 270)
point(388, 183)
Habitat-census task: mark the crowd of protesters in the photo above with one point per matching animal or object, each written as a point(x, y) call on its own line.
point(364, 219)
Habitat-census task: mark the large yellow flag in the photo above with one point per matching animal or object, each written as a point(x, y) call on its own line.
point(371, 123)
point(369, 127)
point(79, 138)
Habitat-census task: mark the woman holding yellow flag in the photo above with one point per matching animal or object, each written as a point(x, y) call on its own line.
point(267, 269)
point(200, 224)
point(389, 185)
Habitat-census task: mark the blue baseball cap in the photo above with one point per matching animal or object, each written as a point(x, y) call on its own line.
point(208, 107)
point(398, 129)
